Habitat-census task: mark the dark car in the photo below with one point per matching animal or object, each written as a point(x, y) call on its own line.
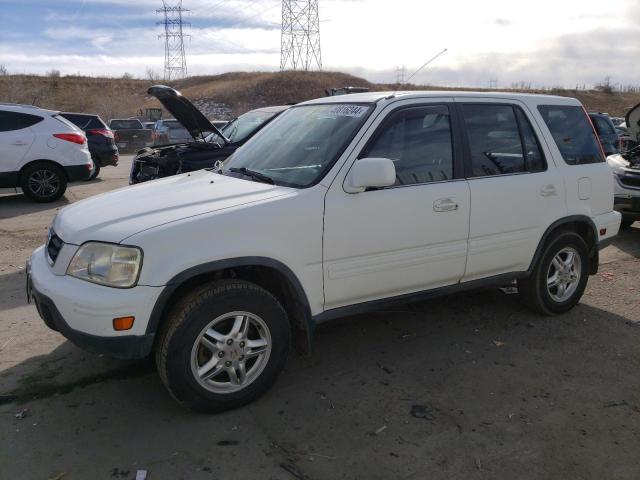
point(208, 144)
point(130, 134)
point(609, 137)
point(100, 139)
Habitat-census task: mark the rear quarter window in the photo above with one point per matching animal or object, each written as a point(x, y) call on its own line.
point(10, 121)
point(573, 133)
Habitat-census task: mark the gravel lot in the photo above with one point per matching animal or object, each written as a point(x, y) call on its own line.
point(498, 392)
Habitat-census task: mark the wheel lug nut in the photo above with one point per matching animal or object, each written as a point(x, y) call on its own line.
point(220, 354)
point(227, 364)
point(229, 342)
point(241, 344)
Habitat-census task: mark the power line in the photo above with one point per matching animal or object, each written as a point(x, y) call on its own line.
point(175, 63)
point(300, 38)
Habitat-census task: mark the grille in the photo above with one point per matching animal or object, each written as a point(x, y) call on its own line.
point(628, 180)
point(54, 245)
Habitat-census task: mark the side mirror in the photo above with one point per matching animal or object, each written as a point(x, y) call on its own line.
point(370, 172)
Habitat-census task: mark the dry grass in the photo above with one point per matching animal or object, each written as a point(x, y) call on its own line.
point(241, 91)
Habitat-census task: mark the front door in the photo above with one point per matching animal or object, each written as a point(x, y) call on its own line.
point(411, 236)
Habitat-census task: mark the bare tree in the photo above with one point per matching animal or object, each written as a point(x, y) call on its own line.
point(152, 75)
point(3, 70)
point(605, 86)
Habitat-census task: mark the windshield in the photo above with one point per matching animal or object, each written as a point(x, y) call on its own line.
point(125, 125)
point(243, 126)
point(173, 125)
point(301, 144)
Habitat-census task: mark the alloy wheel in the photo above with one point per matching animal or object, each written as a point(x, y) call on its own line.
point(563, 276)
point(231, 352)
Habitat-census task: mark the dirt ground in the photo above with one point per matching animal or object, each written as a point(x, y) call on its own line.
point(496, 391)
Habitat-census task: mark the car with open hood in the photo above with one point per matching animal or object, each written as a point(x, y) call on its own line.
point(341, 206)
point(626, 170)
point(207, 144)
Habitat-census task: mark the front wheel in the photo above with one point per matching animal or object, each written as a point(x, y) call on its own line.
point(560, 276)
point(96, 171)
point(626, 222)
point(223, 345)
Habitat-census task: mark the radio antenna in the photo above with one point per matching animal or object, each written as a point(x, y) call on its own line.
point(420, 69)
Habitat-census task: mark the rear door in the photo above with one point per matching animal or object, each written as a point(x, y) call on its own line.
point(16, 138)
point(516, 192)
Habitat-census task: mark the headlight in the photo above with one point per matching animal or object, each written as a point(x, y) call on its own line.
point(106, 264)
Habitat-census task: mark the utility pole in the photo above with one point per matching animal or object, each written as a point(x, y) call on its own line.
point(175, 62)
point(300, 37)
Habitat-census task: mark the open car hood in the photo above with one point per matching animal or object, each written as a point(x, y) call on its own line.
point(184, 111)
point(633, 122)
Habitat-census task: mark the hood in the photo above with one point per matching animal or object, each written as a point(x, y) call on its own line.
point(116, 215)
point(632, 119)
point(184, 111)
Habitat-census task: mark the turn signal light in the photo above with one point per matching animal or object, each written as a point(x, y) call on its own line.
point(123, 323)
point(603, 231)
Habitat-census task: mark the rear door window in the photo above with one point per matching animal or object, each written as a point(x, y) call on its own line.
point(573, 133)
point(501, 141)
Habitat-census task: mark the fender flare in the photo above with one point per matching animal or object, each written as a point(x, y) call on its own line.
point(559, 223)
point(211, 267)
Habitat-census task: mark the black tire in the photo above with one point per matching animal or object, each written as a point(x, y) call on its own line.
point(96, 171)
point(184, 325)
point(626, 222)
point(534, 291)
point(33, 176)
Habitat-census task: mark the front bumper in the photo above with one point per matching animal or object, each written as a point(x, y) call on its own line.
point(83, 312)
point(628, 206)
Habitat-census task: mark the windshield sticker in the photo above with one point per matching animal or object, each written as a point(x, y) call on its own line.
point(355, 111)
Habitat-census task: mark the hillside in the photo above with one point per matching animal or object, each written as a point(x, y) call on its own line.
point(232, 93)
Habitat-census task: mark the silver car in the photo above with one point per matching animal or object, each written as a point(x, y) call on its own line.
point(170, 131)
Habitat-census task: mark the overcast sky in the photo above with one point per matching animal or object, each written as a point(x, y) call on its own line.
point(546, 42)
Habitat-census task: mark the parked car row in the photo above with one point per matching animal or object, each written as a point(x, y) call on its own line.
point(198, 143)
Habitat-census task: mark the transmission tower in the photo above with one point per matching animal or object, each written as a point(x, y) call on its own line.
point(300, 41)
point(175, 63)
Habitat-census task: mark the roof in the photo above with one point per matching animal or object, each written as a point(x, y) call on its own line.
point(373, 97)
point(20, 106)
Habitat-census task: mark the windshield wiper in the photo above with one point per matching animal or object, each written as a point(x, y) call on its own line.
point(261, 177)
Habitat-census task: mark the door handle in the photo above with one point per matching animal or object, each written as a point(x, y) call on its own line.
point(548, 190)
point(19, 143)
point(445, 205)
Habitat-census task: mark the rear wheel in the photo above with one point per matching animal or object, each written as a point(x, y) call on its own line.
point(43, 182)
point(223, 345)
point(560, 276)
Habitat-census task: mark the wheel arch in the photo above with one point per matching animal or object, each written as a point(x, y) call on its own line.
point(270, 274)
point(41, 160)
point(580, 224)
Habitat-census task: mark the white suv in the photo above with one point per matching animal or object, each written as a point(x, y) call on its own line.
point(40, 151)
point(341, 205)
